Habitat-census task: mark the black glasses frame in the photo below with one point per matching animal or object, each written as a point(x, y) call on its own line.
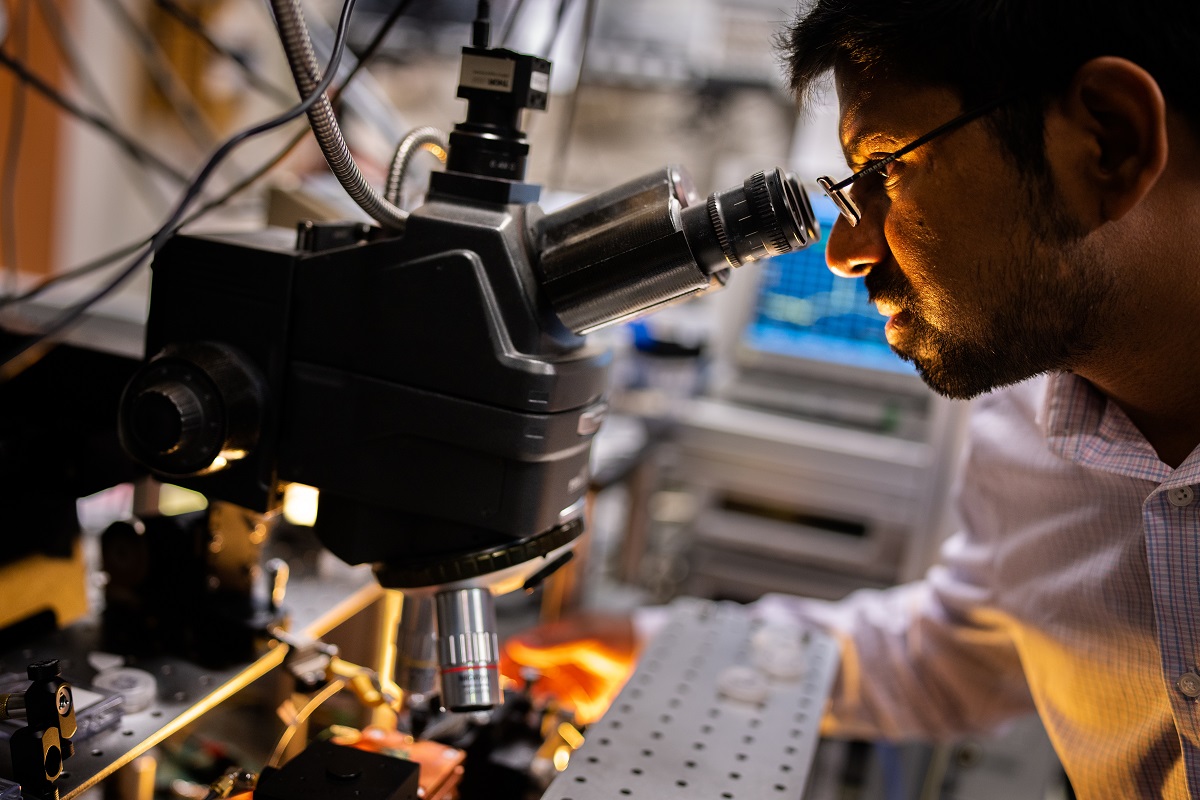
point(839, 192)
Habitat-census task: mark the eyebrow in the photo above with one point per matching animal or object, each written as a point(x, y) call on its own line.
point(862, 139)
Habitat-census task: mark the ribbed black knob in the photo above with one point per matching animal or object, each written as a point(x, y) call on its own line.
point(43, 670)
point(166, 417)
point(774, 240)
point(764, 217)
point(192, 409)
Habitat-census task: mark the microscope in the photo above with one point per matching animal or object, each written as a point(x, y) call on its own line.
point(434, 381)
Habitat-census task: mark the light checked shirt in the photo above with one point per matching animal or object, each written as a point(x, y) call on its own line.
point(1074, 587)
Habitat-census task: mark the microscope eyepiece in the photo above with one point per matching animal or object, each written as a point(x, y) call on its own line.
point(649, 242)
point(768, 215)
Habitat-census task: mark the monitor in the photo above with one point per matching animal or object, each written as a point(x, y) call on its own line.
point(802, 310)
point(797, 337)
point(801, 318)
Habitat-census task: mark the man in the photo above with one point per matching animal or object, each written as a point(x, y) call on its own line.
point(1026, 201)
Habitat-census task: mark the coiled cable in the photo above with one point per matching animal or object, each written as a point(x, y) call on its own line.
point(427, 138)
point(307, 72)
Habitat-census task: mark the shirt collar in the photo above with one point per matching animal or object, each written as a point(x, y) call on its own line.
point(1082, 425)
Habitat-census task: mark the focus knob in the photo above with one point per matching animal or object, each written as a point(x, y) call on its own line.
point(44, 670)
point(167, 417)
point(767, 216)
point(192, 409)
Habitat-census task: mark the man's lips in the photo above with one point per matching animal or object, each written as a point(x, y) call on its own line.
point(887, 309)
point(897, 317)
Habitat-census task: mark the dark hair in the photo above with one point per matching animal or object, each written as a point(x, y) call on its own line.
point(986, 49)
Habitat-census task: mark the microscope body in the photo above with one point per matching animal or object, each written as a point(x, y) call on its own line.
point(434, 382)
point(419, 381)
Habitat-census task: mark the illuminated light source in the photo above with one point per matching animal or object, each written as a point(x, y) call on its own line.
point(175, 500)
point(562, 757)
point(581, 663)
point(300, 504)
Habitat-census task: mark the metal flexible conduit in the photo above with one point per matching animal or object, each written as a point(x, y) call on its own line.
point(307, 74)
point(429, 139)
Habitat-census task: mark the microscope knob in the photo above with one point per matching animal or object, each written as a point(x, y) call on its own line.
point(167, 416)
point(768, 215)
point(43, 670)
point(192, 410)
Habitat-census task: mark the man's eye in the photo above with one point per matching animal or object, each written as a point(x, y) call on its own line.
point(875, 172)
point(885, 167)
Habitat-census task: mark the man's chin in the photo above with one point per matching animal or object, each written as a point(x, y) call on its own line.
point(951, 387)
point(960, 380)
point(946, 366)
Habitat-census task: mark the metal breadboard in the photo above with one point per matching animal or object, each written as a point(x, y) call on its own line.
point(713, 710)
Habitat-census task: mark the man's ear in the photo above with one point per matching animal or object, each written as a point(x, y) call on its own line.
point(1116, 116)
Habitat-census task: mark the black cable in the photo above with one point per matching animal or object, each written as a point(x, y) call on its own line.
point(563, 147)
point(197, 27)
point(12, 154)
point(75, 272)
point(28, 353)
point(158, 67)
point(559, 17)
point(128, 249)
point(63, 41)
point(481, 29)
point(373, 46)
point(153, 195)
point(509, 22)
point(71, 55)
point(364, 58)
point(127, 144)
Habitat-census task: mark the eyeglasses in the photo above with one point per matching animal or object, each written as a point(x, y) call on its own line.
point(839, 192)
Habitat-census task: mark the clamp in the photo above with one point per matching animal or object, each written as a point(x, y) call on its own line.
point(40, 748)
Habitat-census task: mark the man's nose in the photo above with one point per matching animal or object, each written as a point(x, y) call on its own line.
point(852, 250)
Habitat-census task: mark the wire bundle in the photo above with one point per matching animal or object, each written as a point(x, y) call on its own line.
point(31, 350)
point(313, 88)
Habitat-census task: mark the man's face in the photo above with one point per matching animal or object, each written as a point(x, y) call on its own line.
point(977, 267)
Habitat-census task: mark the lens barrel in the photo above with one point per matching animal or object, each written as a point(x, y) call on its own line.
point(768, 215)
point(468, 649)
point(417, 646)
point(649, 242)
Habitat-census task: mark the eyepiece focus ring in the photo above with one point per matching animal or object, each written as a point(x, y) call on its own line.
point(773, 238)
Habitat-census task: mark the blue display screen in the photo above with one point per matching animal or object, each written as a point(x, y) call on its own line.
point(803, 310)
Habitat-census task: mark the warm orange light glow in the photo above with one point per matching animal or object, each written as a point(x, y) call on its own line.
point(571, 735)
point(582, 662)
point(439, 153)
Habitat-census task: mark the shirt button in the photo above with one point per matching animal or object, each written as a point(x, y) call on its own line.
point(1181, 496)
point(1189, 684)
